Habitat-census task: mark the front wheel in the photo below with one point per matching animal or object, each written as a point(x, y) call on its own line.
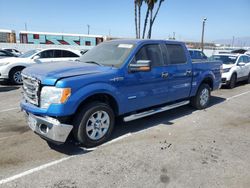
point(202, 98)
point(232, 81)
point(15, 76)
point(94, 124)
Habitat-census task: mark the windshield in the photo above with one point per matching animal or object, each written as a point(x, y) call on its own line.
point(108, 54)
point(225, 59)
point(28, 53)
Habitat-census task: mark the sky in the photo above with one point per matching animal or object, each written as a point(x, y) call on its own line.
point(225, 18)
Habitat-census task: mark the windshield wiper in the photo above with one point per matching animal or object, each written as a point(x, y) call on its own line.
point(93, 62)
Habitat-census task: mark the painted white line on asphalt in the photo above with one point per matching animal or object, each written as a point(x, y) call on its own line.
point(3, 138)
point(10, 109)
point(117, 139)
point(12, 178)
point(238, 95)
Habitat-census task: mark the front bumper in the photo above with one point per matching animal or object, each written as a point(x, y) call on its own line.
point(3, 74)
point(225, 78)
point(49, 128)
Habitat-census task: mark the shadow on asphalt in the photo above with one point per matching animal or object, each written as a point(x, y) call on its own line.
point(8, 88)
point(69, 148)
point(122, 128)
point(238, 84)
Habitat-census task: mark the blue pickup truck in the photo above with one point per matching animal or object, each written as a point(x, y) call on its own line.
point(127, 78)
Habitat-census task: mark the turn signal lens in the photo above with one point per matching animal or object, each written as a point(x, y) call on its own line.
point(65, 95)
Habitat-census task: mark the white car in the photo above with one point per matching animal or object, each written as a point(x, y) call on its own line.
point(10, 68)
point(14, 51)
point(236, 67)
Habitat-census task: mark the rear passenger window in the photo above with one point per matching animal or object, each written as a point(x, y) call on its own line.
point(57, 53)
point(47, 54)
point(68, 54)
point(150, 52)
point(176, 54)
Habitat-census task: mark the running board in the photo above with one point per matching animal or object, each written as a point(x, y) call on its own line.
point(154, 111)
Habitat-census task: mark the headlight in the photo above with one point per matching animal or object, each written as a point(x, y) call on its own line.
point(5, 63)
point(226, 70)
point(52, 95)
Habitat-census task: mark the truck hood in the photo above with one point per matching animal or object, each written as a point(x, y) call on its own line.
point(49, 73)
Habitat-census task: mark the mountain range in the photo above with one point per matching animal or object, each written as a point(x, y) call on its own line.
point(237, 41)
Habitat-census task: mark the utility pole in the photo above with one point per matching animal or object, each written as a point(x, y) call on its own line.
point(233, 42)
point(202, 34)
point(88, 28)
point(25, 26)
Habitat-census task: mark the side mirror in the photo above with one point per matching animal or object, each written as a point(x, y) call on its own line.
point(241, 64)
point(140, 66)
point(36, 57)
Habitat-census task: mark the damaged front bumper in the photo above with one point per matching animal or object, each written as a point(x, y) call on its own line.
point(49, 128)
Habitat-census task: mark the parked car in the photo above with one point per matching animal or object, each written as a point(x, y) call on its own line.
point(128, 78)
point(197, 55)
point(247, 53)
point(236, 67)
point(10, 68)
point(13, 51)
point(5, 54)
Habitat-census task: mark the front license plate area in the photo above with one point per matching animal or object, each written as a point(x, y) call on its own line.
point(32, 122)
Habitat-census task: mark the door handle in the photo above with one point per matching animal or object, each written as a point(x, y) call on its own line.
point(188, 72)
point(164, 75)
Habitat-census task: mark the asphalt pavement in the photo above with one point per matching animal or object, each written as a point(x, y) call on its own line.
point(182, 147)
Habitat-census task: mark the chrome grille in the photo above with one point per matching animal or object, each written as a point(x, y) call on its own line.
point(31, 89)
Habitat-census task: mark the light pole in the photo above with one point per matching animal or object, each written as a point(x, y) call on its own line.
point(88, 28)
point(202, 35)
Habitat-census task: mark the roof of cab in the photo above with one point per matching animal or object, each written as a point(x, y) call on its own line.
point(141, 41)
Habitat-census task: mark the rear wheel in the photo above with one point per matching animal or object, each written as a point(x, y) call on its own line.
point(232, 81)
point(202, 98)
point(94, 124)
point(15, 76)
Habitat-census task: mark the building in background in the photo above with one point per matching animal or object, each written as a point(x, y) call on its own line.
point(7, 36)
point(29, 37)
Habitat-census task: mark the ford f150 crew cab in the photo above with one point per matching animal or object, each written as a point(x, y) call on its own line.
point(127, 78)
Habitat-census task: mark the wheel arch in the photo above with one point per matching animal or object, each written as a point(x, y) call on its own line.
point(234, 73)
point(101, 97)
point(16, 67)
point(209, 81)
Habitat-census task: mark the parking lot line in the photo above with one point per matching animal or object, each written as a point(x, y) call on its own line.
point(10, 109)
point(117, 139)
point(235, 96)
point(3, 138)
point(12, 178)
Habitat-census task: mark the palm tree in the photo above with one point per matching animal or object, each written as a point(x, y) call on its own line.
point(152, 18)
point(135, 9)
point(139, 4)
point(146, 18)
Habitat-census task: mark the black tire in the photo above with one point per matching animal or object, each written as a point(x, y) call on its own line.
point(232, 81)
point(15, 76)
point(198, 101)
point(82, 119)
point(248, 79)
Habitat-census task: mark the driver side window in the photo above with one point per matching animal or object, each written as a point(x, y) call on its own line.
point(240, 59)
point(150, 52)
